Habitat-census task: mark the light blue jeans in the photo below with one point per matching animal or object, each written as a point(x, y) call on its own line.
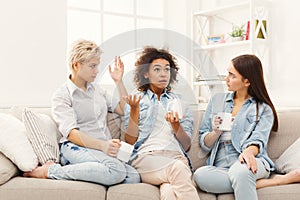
point(80, 163)
point(229, 175)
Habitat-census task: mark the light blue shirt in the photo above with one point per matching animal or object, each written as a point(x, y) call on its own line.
point(247, 127)
point(73, 108)
point(148, 111)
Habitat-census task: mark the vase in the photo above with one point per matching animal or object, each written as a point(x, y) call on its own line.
point(234, 39)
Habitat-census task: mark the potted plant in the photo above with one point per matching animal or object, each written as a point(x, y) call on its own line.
point(237, 33)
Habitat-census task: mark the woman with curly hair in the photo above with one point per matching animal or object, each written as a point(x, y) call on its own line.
point(161, 136)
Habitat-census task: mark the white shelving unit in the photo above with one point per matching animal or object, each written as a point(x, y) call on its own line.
point(212, 59)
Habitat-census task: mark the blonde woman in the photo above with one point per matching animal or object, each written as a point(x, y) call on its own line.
point(79, 107)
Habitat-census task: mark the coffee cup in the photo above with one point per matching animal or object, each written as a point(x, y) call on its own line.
point(226, 123)
point(125, 151)
point(175, 106)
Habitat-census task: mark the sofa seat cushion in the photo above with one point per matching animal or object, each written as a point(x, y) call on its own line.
point(290, 192)
point(33, 188)
point(206, 196)
point(142, 191)
point(139, 191)
point(7, 169)
point(228, 196)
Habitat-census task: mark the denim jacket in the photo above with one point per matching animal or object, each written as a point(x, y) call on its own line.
point(247, 128)
point(148, 112)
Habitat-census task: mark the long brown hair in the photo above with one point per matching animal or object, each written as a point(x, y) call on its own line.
point(250, 67)
point(143, 63)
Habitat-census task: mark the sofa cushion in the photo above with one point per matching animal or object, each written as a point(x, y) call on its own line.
point(282, 192)
point(196, 154)
point(49, 189)
point(139, 191)
point(290, 159)
point(7, 169)
point(43, 135)
point(287, 133)
point(14, 143)
point(114, 125)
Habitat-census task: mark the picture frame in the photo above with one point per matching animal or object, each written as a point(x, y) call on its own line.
point(214, 39)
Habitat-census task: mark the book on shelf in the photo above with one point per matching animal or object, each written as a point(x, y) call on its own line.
point(247, 30)
point(210, 78)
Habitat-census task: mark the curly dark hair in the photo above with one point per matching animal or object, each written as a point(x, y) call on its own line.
point(143, 63)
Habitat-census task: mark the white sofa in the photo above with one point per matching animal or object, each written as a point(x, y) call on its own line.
point(19, 187)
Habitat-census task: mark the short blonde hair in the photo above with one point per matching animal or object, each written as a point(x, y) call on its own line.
point(83, 51)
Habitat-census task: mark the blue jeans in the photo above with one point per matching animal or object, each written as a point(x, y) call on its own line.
point(80, 163)
point(229, 175)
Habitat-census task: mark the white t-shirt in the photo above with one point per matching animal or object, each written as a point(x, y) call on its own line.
point(162, 137)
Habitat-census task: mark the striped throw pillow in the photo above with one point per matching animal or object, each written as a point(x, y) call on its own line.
point(43, 135)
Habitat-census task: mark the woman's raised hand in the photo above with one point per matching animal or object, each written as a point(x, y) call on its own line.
point(118, 71)
point(133, 101)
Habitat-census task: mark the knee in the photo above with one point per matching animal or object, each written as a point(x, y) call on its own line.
point(181, 165)
point(132, 177)
point(201, 179)
point(178, 171)
point(239, 173)
point(117, 172)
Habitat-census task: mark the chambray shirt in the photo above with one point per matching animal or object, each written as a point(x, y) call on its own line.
point(247, 128)
point(148, 111)
point(73, 108)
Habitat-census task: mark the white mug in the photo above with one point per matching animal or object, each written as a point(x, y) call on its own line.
point(227, 121)
point(125, 151)
point(175, 106)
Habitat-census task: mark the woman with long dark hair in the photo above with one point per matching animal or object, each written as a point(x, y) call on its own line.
point(238, 155)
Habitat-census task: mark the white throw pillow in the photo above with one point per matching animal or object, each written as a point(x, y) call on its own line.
point(290, 159)
point(14, 143)
point(43, 134)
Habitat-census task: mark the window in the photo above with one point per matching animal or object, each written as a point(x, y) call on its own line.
point(101, 20)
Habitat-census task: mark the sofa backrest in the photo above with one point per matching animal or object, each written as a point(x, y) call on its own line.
point(196, 154)
point(289, 131)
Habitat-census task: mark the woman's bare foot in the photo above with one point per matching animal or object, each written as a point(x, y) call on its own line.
point(39, 172)
point(291, 177)
point(267, 182)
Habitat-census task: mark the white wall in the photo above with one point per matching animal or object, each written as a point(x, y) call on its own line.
point(32, 50)
point(285, 55)
point(33, 47)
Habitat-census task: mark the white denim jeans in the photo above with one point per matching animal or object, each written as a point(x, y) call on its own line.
point(229, 175)
point(80, 163)
point(170, 170)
